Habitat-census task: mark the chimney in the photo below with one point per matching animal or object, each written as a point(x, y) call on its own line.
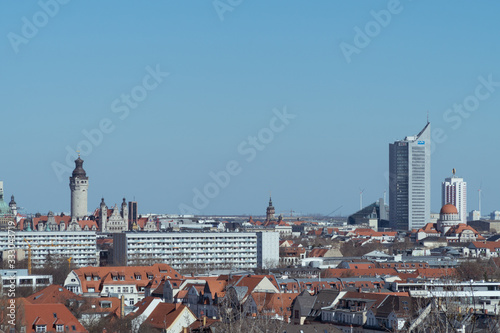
point(122, 306)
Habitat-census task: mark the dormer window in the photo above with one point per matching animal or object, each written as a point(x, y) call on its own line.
point(41, 328)
point(59, 328)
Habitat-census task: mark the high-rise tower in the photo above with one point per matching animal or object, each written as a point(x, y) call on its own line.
point(410, 181)
point(454, 191)
point(79, 184)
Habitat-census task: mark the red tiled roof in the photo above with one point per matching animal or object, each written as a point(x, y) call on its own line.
point(52, 294)
point(165, 314)
point(49, 314)
point(316, 253)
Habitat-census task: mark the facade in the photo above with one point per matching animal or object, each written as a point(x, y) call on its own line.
point(268, 255)
point(51, 222)
point(495, 215)
point(79, 185)
point(80, 246)
point(8, 212)
point(127, 282)
point(410, 181)
point(113, 220)
point(474, 215)
point(21, 279)
point(183, 249)
point(454, 191)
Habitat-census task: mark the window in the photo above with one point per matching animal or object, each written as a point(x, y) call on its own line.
point(91, 290)
point(41, 328)
point(59, 328)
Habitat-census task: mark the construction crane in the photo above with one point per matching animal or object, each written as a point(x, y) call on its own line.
point(335, 210)
point(29, 256)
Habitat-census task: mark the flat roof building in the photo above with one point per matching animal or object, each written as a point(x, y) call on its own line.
point(81, 246)
point(202, 250)
point(410, 181)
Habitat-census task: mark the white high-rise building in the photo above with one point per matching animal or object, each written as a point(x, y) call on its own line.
point(454, 191)
point(410, 181)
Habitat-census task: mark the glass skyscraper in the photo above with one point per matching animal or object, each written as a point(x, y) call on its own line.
point(410, 181)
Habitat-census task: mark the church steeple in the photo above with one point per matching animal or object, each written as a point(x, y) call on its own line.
point(270, 211)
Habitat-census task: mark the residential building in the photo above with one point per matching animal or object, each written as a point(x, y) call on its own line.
point(48, 318)
point(79, 245)
point(194, 249)
point(410, 181)
point(21, 279)
point(127, 282)
point(268, 255)
point(454, 191)
point(151, 315)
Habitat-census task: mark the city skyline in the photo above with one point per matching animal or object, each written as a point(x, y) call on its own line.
point(205, 95)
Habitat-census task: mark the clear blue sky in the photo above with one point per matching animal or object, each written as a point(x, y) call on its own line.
point(225, 78)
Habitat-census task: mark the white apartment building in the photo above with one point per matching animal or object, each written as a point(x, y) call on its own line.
point(454, 191)
point(184, 249)
point(80, 246)
point(268, 254)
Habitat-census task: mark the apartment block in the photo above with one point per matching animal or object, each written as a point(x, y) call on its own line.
point(203, 250)
point(80, 246)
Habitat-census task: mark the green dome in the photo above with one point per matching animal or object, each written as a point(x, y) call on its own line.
point(4, 208)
